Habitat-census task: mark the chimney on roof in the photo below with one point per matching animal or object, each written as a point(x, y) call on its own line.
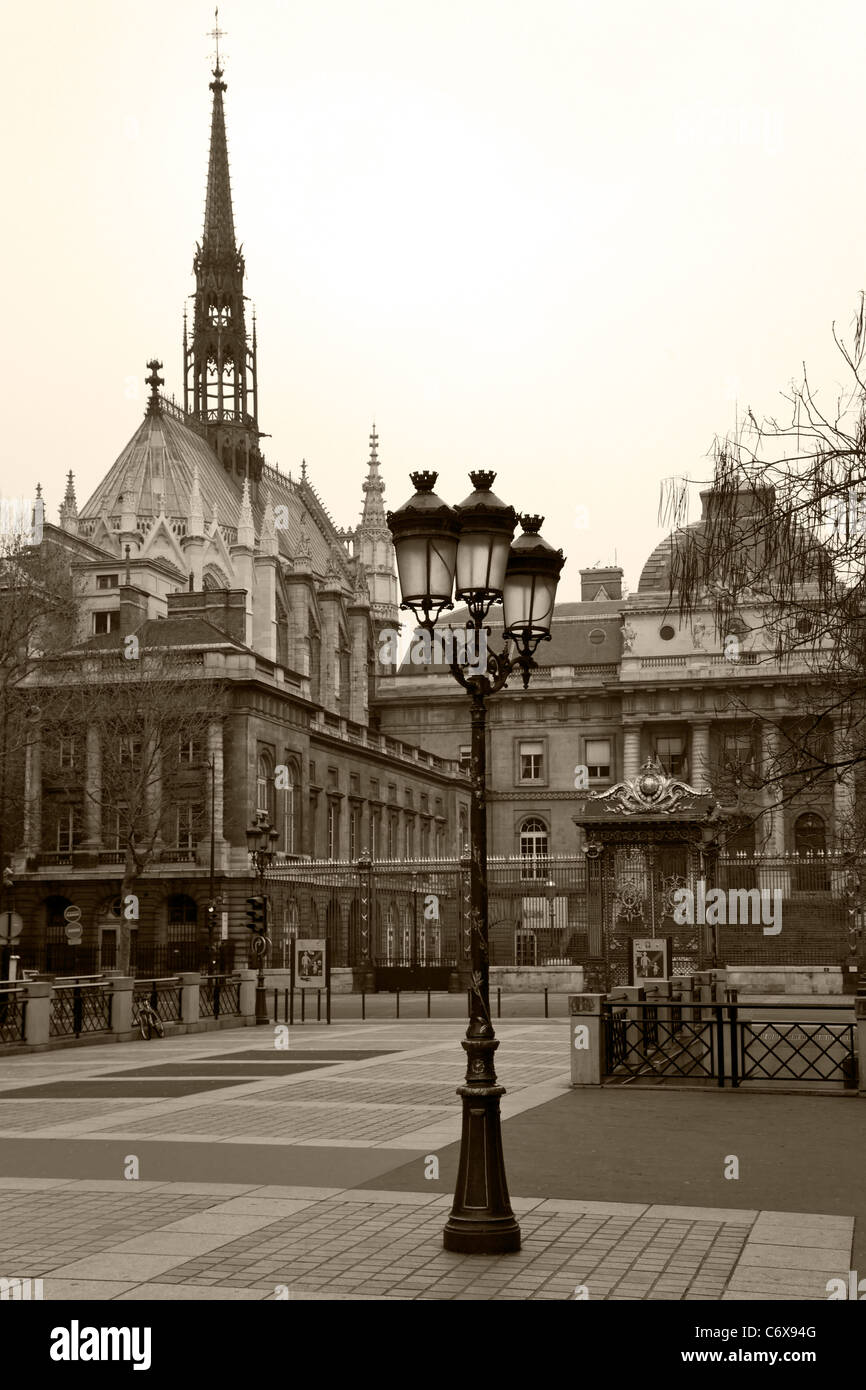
point(601, 584)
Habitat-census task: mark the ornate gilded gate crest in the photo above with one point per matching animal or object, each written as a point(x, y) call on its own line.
point(652, 790)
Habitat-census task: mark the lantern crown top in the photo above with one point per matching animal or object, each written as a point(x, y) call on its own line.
point(424, 481)
point(482, 479)
point(531, 524)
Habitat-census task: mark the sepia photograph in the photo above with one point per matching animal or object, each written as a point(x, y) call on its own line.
point(433, 672)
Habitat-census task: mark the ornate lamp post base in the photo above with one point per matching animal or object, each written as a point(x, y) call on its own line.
point(262, 1014)
point(481, 1220)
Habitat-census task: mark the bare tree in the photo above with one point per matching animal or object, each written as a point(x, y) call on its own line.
point(784, 536)
point(38, 612)
point(147, 706)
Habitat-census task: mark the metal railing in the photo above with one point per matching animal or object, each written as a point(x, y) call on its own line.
point(12, 1011)
point(79, 1008)
point(683, 1039)
point(163, 996)
point(218, 996)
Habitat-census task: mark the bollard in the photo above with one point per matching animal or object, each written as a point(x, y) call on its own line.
point(291, 994)
point(286, 1005)
point(363, 1006)
point(318, 1006)
point(303, 1005)
point(276, 1010)
point(498, 1002)
point(398, 1003)
point(546, 1014)
point(428, 1003)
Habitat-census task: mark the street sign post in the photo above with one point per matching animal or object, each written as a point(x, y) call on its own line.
point(72, 913)
point(11, 927)
point(73, 933)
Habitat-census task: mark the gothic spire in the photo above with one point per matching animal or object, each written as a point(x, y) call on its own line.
point(220, 386)
point(219, 226)
point(373, 514)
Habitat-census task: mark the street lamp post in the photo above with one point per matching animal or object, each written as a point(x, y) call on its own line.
point(261, 838)
point(467, 551)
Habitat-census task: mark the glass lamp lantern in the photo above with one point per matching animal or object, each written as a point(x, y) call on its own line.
point(529, 592)
point(425, 531)
point(486, 527)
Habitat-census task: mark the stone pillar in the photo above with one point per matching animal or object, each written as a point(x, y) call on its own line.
point(190, 982)
point(265, 607)
point(860, 1040)
point(120, 1017)
point(33, 792)
point(215, 752)
point(329, 605)
point(773, 818)
point(93, 790)
point(843, 796)
point(586, 1039)
point(631, 751)
point(37, 1014)
point(699, 773)
point(359, 619)
point(247, 994)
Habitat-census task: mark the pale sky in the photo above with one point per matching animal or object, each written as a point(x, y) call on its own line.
point(562, 240)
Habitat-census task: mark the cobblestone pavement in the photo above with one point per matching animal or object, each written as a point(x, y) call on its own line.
point(120, 1240)
point(333, 1122)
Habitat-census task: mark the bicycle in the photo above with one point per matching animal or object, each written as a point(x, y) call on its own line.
point(149, 1021)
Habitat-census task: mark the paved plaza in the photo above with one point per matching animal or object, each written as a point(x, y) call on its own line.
point(307, 1173)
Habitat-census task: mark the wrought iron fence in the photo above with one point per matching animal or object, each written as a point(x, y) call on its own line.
point(79, 1008)
point(543, 911)
point(12, 1007)
point(163, 996)
point(218, 996)
point(668, 1041)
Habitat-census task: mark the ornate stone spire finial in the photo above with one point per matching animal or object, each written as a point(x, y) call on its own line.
point(196, 506)
point(154, 381)
point(246, 527)
point(268, 537)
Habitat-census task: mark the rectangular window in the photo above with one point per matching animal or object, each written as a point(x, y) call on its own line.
point(186, 826)
point(128, 750)
point(671, 755)
point(374, 833)
point(410, 839)
point(738, 753)
point(333, 829)
point(465, 756)
point(532, 762)
point(425, 840)
point(106, 621)
point(117, 831)
point(65, 829)
point(67, 751)
point(354, 833)
point(392, 837)
point(188, 751)
point(597, 755)
point(106, 581)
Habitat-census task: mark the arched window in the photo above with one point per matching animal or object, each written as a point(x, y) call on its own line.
point(534, 845)
point(289, 810)
point(264, 787)
point(810, 845)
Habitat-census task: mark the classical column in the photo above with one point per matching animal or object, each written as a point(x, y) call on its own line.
point(699, 775)
point(215, 756)
point(93, 790)
point(773, 817)
point(843, 794)
point(631, 751)
point(33, 792)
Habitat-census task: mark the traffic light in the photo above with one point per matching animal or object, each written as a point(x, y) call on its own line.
point(257, 915)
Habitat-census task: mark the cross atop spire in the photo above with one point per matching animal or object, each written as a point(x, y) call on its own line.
point(216, 34)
